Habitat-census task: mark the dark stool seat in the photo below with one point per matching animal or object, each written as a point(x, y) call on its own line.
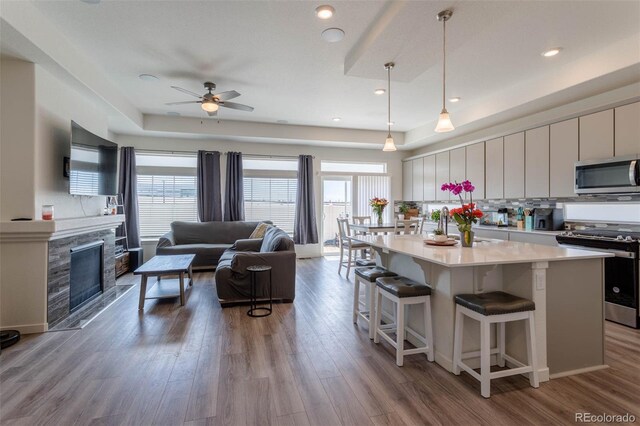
point(371, 274)
point(365, 262)
point(494, 303)
point(403, 287)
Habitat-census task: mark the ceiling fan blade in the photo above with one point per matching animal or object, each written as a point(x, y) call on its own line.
point(183, 102)
point(188, 92)
point(234, 105)
point(213, 113)
point(225, 96)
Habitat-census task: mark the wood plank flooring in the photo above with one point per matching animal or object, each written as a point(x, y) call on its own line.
point(306, 364)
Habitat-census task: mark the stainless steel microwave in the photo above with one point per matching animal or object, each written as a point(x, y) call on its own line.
point(611, 176)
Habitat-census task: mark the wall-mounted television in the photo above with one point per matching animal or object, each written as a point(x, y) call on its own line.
point(93, 166)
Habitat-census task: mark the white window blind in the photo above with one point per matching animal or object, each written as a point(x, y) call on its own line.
point(166, 191)
point(369, 187)
point(271, 198)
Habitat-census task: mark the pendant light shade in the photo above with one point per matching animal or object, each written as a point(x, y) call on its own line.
point(444, 121)
point(389, 144)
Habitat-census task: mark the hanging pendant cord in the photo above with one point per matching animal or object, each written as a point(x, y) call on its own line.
point(444, 60)
point(389, 99)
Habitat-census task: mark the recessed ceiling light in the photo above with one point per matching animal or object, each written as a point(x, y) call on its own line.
point(551, 52)
point(454, 100)
point(391, 123)
point(379, 91)
point(173, 113)
point(148, 77)
point(325, 11)
point(336, 119)
point(333, 35)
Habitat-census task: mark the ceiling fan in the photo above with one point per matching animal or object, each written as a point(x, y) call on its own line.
point(210, 102)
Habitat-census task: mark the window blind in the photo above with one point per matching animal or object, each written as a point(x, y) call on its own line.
point(271, 198)
point(369, 187)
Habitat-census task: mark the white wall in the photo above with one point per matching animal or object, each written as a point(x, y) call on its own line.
point(393, 160)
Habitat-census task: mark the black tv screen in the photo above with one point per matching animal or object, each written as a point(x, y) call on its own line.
point(93, 166)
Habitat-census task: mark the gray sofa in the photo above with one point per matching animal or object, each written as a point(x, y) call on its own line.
point(207, 240)
point(276, 249)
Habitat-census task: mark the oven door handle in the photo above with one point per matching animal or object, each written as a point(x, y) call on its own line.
point(633, 180)
point(616, 253)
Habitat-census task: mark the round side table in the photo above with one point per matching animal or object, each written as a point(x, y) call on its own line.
point(254, 309)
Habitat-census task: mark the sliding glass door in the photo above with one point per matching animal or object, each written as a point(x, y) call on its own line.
point(337, 196)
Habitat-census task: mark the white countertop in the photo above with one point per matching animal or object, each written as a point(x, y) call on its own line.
point(453, 229)
point(488, 252)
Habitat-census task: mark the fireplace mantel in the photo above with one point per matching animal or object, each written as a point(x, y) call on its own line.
point(46, 230)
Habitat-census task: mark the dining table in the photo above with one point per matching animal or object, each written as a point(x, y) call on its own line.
point(373, 228)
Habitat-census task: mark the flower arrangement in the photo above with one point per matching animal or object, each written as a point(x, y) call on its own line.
point(466, 215)
point(378, 205)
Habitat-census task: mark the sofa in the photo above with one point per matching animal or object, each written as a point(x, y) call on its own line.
point(207, 240)
point(276, 249)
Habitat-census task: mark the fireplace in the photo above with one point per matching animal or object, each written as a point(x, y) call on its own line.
point(86, 277)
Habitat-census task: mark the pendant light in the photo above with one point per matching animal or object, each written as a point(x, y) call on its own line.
point(389, 145)
point(444, 121)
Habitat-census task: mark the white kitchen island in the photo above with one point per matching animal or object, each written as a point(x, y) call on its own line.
point(567, 286)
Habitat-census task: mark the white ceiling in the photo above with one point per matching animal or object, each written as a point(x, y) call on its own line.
point(272, 53)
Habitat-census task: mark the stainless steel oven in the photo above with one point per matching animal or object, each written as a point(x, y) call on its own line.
point(613, 175)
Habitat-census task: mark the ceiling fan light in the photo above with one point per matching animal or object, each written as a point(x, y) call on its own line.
point(210, 106)
point(389, 145)
point(444, 123)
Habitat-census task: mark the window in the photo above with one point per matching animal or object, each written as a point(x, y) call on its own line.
point(166, 191)
point(351, 167)
point(270, 189)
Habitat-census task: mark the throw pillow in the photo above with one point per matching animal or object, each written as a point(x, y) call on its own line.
point(260, 230)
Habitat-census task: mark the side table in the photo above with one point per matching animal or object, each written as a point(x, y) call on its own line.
point(254, 309)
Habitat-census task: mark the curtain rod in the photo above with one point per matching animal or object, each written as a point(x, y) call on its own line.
point(151, 151)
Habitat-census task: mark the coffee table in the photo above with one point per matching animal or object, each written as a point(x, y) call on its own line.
point(159, 266)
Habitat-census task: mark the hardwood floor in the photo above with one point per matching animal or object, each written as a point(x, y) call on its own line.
point(305, 364)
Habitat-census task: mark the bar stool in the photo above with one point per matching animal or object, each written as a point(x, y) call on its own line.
point(367, 276)
point(494, 307)
point(403, 292)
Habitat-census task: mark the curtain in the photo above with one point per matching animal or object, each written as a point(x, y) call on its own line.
point(209, 196)
point(128, 189)
point(234, 196)
point(305, 229)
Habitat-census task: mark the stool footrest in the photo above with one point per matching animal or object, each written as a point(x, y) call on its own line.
point(476, 354)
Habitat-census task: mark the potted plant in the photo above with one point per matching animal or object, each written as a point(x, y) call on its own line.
point(403, 209)
point(378, 205)
point(467, 214)
point(439, 236)
point(435, 216)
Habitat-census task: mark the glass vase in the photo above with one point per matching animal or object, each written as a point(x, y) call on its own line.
point(466, 238)
point(379, 218)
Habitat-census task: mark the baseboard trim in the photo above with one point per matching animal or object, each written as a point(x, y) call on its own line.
point(28, 328)
point(578, 371)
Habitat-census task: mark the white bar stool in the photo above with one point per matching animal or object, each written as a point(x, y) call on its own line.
point(494, 307)
point(403, 292)
point(367, 276)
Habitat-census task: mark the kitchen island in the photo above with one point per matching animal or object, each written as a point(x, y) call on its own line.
point(567, 286)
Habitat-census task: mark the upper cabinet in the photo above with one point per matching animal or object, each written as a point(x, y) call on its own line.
point(563, 143)
point(457, 167)
point(536, 166)
point(514, 166)
point(442, 175)
point(418, 179)
point(494, 169)
point(627, 130)
point(429, 173)
point(407, 180)
point(475, 168)
point(596, 135)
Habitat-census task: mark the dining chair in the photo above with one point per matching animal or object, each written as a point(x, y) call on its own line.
point(412, 226)
point(346, 243)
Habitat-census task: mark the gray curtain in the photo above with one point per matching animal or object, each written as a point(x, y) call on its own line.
point(305, 230)
point(234, 193)
point(127, 188)
point(209, 196)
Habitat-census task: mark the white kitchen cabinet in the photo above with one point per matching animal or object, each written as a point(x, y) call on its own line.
point(563, 145)
point(442, 175)
point(514, 166)
point(475, 168)
point(536, 166)
point(418, 179)
point(627, 130)
point(596, 136)
point(407, 180)
point(429, 174)
point(494, 169)
point(457, 167)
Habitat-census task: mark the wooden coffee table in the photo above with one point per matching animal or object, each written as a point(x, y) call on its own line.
point(160, 266)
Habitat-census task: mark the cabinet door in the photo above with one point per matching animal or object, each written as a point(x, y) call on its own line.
point(442, 175)
point(563, 145)
point(418, 179)
point(475, 168)
point(407, 184)
point(536, 166)
point(429, 174)
point(457, 167)
point(596, 135)
point(494, 167)
point(514, 166)
point(627, 134)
